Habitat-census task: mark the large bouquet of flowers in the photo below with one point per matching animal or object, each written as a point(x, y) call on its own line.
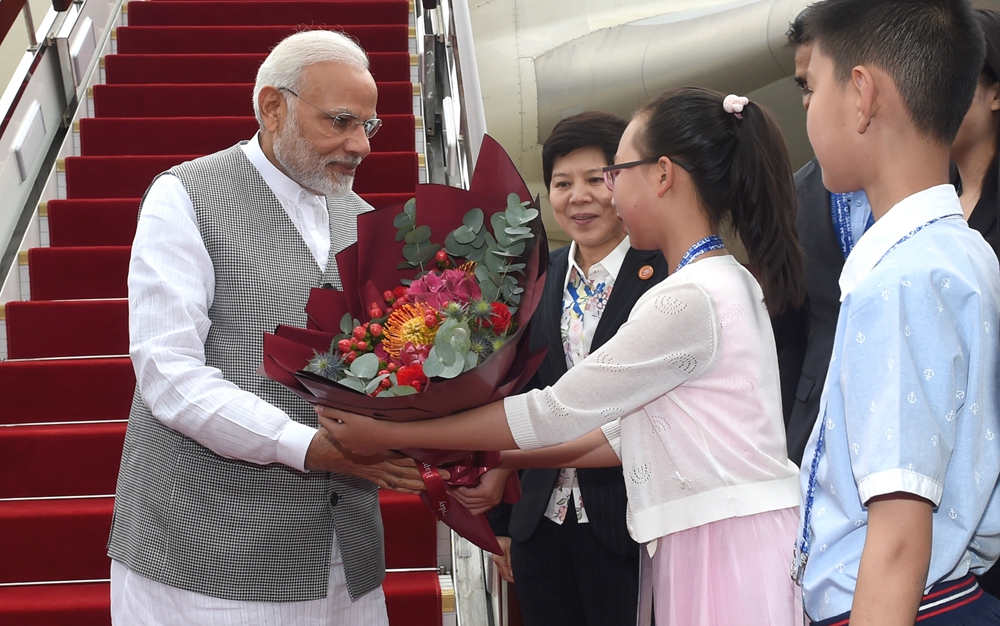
point(441, 332)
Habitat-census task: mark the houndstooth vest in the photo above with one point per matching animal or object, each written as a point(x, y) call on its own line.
point(189, 518)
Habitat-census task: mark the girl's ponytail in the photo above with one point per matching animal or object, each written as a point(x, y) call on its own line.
point(740, 168)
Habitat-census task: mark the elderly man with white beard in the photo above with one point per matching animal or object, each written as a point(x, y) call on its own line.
point(231, 506)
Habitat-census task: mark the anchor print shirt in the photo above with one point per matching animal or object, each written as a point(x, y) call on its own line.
point(910, 402)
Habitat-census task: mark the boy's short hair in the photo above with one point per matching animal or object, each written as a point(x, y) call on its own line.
point(797, 30)
point(590, 129)
point(932, 49)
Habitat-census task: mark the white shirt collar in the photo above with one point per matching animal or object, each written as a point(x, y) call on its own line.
point(612, 263)
point(277, 180)
point(903, 218)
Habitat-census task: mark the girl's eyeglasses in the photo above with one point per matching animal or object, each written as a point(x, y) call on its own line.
point(611, 172)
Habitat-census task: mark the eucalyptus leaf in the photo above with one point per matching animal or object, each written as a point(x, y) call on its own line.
point(516, 248)
point(406, 282)
point(518, 231)
point(516, 267)
point(493, 261)
point(464, 234)
point(454, 248)
point(461, 338)
point(471, 360)
point(474, 219)
point(410, 208)
point(396, 392)
point(420, 234)
point(345, 324)
point(353, 383)
point(373, 383)
point(427, 252)
point(405, 265)
point(529, 214)
point(402, 221)
point(411, 251)
point(365, 366)
point(451, 371)
point(433, 367)
point(482, 239)
point(513, 199)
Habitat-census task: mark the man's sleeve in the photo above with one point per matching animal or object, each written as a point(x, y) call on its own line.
point(904, 370)
point(171, 282)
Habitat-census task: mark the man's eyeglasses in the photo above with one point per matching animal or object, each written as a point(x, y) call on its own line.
point(611, 172)
point(343, 122)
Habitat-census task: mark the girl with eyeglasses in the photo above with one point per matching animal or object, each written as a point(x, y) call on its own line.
point(692, 375)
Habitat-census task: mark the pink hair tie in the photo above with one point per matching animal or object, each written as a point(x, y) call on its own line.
point(734, 104)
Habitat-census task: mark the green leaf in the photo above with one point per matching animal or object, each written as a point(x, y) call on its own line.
point(401, 234)
point(353, 383)
point(451, 371)
point(433, 367)
point(411, 252)
point(420, 234)
point(515, 215)
point(454, 248)
point(461, 338)
point(471, 360)
point(405, 265)
point(482, 274)
point(406, 282)
point(402, 220)
point(482, 239)
point(513, 199)
point(519, 231)
point(395, 392)
point(493, 261)
point(474, 219)
point(529, 214)
point(410, 208)
point(463, 234)
point(516, 267)
point(373, 384)
point(365, 366)
point(427, 252)
point(346, 326)
point(516, 248)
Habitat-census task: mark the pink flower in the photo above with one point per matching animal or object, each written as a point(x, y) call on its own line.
point(450, 286)
point(412, 354)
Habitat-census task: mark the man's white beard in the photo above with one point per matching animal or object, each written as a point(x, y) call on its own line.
point(306, 167)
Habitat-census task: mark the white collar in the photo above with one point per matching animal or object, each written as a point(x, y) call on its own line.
point(906, 216)
point(612, 263)
point(278, 181)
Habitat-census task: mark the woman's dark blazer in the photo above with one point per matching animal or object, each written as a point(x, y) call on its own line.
point(603, 489)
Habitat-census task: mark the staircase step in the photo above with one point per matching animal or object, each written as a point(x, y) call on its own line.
point(209, 100)
point(246, 39)
point(204, 135)
point(410, 531)
point(67, 328)
point(95, 222)
point(79, 604)
point(46, 540)
point(60, 459)
point(129, 176)
point(413, 598)
point(65, 390)
point(128, 69)
point(78, 272)
point(342, 12)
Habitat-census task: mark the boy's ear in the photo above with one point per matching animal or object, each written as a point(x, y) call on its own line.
point(666, 172)
point(993, 97)
point(863, 82)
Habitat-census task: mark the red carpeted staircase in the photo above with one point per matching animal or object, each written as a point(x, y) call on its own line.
point(178, 87)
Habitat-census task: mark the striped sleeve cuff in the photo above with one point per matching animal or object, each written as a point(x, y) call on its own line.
point(519, 422)
point(899, 480)
point(613, 433)
point(293, 444)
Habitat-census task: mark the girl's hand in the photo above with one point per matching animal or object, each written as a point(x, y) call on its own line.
point(360, 435)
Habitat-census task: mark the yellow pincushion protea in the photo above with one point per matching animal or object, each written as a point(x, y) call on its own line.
point(406, 325)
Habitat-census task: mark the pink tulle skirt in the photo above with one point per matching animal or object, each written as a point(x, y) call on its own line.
point(730, 572)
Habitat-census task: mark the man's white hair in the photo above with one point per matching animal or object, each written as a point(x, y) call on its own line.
point(283, 67)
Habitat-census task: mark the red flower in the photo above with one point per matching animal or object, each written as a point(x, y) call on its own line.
point(500, 318)
point(412, 375)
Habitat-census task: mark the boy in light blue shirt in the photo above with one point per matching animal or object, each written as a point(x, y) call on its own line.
point(899, 479)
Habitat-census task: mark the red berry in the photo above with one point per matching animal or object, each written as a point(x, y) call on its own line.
point(375, 312)
point(350, 356)
point(360, 332)
point(388, 296)
point(375, 330)
point(392, 367)
point(430, 320)
point(362, 345)
point(441, 256)
point(385, 383)
point(344, 345)
point(383, 372)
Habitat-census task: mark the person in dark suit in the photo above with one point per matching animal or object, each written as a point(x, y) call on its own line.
point(567, 545)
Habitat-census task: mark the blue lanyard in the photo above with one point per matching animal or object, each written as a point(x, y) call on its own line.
point(708, 244)
point(802, 554)
point(840, 215)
